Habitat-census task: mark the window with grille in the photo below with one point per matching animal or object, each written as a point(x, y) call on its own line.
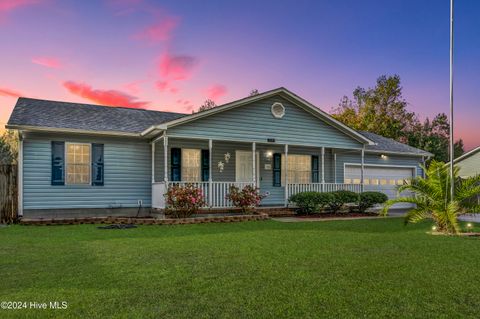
point(191, 165)
point(299, 169)
point(78, 163)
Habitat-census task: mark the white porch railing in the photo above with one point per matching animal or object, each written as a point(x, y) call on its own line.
point(220, 191)
point(293, 189)
point(216, 200)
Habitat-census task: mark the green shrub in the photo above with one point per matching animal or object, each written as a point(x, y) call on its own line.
point(370, 199)
point(311, 202)
point(340, 198)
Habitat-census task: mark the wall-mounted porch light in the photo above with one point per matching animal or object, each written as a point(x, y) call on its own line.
point(383, 156)
point(268, 154)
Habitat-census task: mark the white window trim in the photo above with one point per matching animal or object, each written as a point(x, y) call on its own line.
point(66, 165)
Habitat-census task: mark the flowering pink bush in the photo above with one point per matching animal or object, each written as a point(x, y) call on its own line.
point(246, 199)
point(183, 201)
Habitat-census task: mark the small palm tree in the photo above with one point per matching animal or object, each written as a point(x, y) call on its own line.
point(432, 198)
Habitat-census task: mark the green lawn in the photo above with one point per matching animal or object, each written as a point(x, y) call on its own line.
point(361, 268)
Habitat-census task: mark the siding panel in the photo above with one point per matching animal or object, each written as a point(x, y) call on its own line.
point(254, 122)
point(127, 175)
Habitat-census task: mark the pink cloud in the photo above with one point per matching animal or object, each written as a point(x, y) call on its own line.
point(49, 62)
point(160, 31)
point(162, 85)
point(10, 93)
point(216, 91)
point(6, 6)
point(105, 97)
point(177, 67)
point(133, 87)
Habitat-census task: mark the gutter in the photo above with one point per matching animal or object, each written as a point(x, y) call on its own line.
point(67, 130)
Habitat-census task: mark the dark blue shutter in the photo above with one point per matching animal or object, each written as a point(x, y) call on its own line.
point(97, 164)
point(176, 164)
point(315, 175)
point(58, 163)
point(277, 169)
point(205, 165)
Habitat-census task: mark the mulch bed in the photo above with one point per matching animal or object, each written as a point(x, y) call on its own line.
point(337, 215)
point(143, 220)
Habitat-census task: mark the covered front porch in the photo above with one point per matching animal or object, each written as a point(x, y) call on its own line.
point(278, 170)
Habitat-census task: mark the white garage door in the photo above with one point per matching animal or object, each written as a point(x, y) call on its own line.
point(381, 179)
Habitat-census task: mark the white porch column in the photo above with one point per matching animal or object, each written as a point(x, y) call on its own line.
point(165, 159)
point(153, 162)
point(423, 164)
point(20, 176)
point(363, 168)
point(286, 175)
point(335, 168)
point(323, 169)
point(254, 166)
point(210, 185)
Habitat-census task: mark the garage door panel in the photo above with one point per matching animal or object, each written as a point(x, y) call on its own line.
point(381, 179)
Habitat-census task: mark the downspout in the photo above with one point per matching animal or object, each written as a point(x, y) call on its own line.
point(20, 175)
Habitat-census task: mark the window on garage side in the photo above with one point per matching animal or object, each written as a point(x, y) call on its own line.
point(78, 163)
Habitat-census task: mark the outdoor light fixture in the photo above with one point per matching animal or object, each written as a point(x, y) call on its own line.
point(227, 157)
point(268, 154)
point(434, 228)
point(383, 156)
point(469, 226)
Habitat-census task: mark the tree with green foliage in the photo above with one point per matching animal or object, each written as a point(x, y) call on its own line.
point(9, 147)
point(433, 136)
point(383, 110)
point(433, 200)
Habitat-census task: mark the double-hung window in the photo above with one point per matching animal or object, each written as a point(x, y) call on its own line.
point(299, 169)
point(191, 165)
point(78, 163)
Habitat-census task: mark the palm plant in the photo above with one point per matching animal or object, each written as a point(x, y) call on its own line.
point(432, 198)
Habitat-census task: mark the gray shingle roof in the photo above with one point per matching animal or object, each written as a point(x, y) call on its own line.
point(53, 114)
point(78, 116)
point(389, 145)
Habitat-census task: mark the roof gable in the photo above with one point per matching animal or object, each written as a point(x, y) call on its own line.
point(254, 122)
point(281, 92)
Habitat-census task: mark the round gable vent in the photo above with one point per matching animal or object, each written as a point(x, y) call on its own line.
point(278, 110)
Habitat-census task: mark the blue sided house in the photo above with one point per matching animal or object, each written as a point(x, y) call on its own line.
point(91, 160)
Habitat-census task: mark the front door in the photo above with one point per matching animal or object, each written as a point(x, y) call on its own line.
point(244, 166)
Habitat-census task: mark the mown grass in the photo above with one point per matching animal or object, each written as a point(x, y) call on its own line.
point(361, 268)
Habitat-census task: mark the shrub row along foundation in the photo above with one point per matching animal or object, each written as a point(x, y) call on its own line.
point(143, 221)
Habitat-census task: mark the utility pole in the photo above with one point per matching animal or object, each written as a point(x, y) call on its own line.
point(452, 185)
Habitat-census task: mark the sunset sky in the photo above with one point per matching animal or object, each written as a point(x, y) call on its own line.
point(172, 55)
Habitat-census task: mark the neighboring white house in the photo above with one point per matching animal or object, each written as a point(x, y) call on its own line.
point(469, 163)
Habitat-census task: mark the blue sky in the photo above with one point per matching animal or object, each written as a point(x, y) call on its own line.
point(172, 55)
